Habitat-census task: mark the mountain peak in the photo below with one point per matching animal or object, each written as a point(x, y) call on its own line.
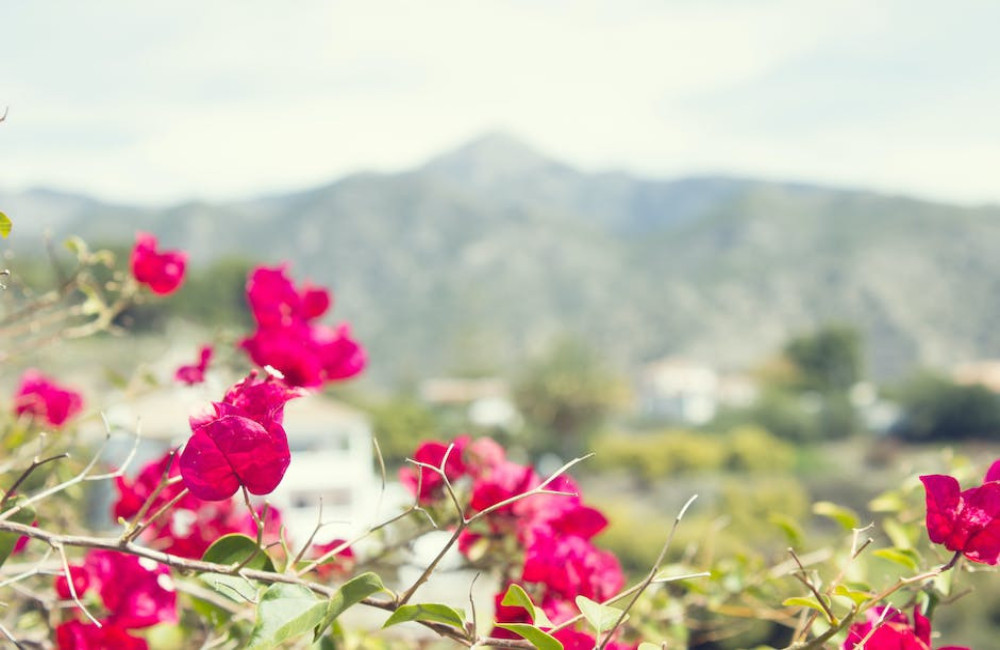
point(492, 157)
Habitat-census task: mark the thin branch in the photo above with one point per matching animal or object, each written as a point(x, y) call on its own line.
point(649, 577)
point(35, 464)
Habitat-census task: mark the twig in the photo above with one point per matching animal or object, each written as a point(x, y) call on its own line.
point(642, 586)
point(35, 464)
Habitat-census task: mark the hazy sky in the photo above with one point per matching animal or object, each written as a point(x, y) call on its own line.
point(168, 101)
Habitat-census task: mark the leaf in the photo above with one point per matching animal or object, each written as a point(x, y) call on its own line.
point(5, 225)
point(790, 527)
point(23, 516)
point(284, 612)
point(533, 635)
point(804, 601)
point(601, 617)
point(843, 516)
point(888, 502)
point(350, 593)
point(646, 645)
point(232, 550)
point(857, 596)
point(903, 556)
point(431, 612)
point(897, 533)
point(516, 596)
point(77, 246)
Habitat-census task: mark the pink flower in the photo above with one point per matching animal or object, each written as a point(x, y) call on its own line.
point(559, 514)
point(967, 522)
point(77, 635)
point(571, 566)
point(40, 397)
point(195, 374)
point(287, 339)
point(504, 481)
point(892, 631)
point(240, 443)
point(340, 565)
point(191, 525)
point(137, 593)
point(425, 483)
point(163, 272)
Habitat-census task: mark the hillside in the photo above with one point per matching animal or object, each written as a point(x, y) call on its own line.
point(485, 253)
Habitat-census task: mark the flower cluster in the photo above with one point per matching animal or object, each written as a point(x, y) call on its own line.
point(190, 525)
point(162, 272)
point(42, 398)
point(195, 373)
point(135, 593)
point(289, 339)
point(887, 628)
point(965, 522)
point(240, 441)
point(559, 560)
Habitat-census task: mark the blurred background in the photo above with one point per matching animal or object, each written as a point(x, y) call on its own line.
point(744, 249)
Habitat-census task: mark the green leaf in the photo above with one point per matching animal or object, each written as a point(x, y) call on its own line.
point(284, 612)
point(790, 527)
point(5, 225)
point(888, 502)
point(350, 593)
point(516, 596)
point(533, 635)
point(23, 516)
point(805, 601)
point(843, 516)
point(646, 645)
point(77, 246)
point(903, 556)
point(230, 550)
point(431, 612)
point(857, 596)
point(897, 533)
point(601, 617)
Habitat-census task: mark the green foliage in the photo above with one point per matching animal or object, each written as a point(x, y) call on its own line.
point(235, 550)
point(349, 594)
point(5, 225)
point(936, 408)
point(23, 516)
point(431, 612)
point(827, 360)
point(565, 395)
point(655, 456)
point(285, 611)
point(399, 424)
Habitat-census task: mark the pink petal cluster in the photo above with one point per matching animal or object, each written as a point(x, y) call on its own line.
point(559, 562)
point(162, 272)
point(342, 563)
point(966, 522)
point(191, 525)
point(288, 338)
point(240, 442)
point(40, 397)
point(195, 373)
point(887, 628)
point(135, 594)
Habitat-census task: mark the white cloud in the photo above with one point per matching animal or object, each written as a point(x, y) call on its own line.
point(224, 99)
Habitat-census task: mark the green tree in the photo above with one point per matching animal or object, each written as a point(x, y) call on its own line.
point(565, 395)
point(936, 408)
point(827, 360)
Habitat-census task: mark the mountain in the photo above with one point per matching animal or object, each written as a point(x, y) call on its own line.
point(485, 253)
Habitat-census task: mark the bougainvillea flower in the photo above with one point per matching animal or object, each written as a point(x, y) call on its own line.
point(136, 592)
point(425, 483)
point(967, 522)
point(571, 566)
point(40, 397)
point(240, 442)
point(559, 514)
point(340, 565)
point(502, 482)
point(191, 525)
point(195, 374)
point(162, 272)
point(79, 635)
point(887, 628)
point(288, 339)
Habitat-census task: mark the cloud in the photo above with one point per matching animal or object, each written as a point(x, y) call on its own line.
point(224, 99)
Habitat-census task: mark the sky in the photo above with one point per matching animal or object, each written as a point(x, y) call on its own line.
point(158, 103)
